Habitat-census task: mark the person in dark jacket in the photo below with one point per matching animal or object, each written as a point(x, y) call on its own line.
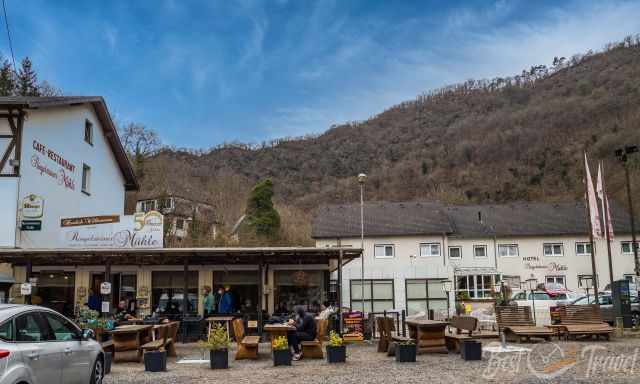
point(305, 331)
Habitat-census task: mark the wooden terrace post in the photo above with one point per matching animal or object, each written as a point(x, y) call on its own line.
point(27, 299)
point(339, 291)
point(260, 297)
point(107, 279)
point(185, 292)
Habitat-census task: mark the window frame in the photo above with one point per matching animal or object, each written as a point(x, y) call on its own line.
point(585, 244)
point(51, 337)
point(553, 245)
point(486, 252)
point(426, 300)
point(555, 277)
point(431, 244)
point(88, 132)
point(517, 247)
point(372, 300)
point(630, 242)
point(86, 179)
point(458, 247)
point(495, 279)
point(41, 323)
point(393, 251)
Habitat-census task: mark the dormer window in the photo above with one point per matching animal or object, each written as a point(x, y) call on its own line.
point(88, 132)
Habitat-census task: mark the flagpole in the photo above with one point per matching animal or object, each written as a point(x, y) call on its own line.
point(605, 203)
point(594, 275)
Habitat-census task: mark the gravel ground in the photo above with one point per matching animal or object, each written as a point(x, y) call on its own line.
point(617, 361)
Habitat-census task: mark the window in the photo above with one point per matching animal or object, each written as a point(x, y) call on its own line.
point(480, 251)
point(147, 205)
point(6, 331)
point(455, 252)
point(430, 249)
point(61, 329)
point(630, 278)
point(86, 178)
point(512, 281)
point(378, 295)
point(167, 291)
point(29, 328)
point(424, 295)
point(626, 247)
point(508, 250)
point(476, 286)
point(179, 223)
point(383, 250)
point(556, 280)
point(586, 280)
point(166, 203)
point(88, 132)
point(552, 250)
point(583, 249)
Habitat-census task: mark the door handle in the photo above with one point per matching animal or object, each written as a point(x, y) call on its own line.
point(34, 355)
point(67, 351)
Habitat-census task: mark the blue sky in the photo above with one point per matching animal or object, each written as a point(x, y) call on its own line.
point(205, 72)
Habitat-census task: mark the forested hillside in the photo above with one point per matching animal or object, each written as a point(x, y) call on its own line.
point(505, 139)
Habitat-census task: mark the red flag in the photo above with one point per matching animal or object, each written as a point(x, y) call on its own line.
point(593, 202)
point(604, 199)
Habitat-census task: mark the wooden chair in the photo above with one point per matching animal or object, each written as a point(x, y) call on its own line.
point(313, 349)
point(387, 341)
point(172, 338)
point(159, 343)
point(583, 320)
point(247, 345)
point(517, 324)
point(460, 324)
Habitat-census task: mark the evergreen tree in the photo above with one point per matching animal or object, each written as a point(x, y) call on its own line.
point(7, 79)
point(262, 218)
point(27, 79)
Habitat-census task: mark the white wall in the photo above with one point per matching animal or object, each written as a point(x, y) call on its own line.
point(8, 209)
point(62, 130)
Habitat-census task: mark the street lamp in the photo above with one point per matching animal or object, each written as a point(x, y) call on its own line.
point(447, 285)
point(532, 284)
point(586, 283)
point(361, 179)
point(622, 155)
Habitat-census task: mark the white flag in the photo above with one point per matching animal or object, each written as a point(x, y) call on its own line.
point(592, 201)
point(604, 200)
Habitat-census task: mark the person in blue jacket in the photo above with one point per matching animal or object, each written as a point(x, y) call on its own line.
point(226, 300)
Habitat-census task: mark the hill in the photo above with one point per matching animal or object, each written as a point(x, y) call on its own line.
point(507, 139)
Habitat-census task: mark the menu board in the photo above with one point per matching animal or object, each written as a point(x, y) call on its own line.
point(353, 326)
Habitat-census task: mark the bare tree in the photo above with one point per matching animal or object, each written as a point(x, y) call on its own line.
point(140, 142)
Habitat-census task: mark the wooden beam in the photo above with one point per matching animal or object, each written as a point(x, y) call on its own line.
point(185, 292)
point(12, 124)
point(6, 155)
point(18, 153)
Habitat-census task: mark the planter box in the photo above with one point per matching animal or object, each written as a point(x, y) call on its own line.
point(471, 350)
point(108, 358)
point(281, 357)
point(219, 359)
point(406, 353)
point(155, 361)
point(336, 354)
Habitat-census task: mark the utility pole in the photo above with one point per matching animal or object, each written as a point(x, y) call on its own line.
point(361, 179)
point(622, 155)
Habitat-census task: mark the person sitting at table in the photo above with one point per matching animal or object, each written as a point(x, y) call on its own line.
point(122, 314)
point(305, 331)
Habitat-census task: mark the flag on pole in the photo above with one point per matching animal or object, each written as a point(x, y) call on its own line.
point(604, 199)
point(594, 212)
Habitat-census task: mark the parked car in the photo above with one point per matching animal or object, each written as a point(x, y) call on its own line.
point(606, 307)
point(40, 346)
point(544, 299)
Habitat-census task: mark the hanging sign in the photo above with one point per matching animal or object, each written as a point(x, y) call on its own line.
point(105, 288)
point(25, 289)
point(32, 207)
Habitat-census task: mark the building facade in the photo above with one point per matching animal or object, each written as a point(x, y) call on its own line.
point(410, 248)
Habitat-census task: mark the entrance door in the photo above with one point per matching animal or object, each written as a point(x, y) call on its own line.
point(55, 290)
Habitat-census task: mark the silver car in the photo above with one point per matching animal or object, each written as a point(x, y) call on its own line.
point(40, 346)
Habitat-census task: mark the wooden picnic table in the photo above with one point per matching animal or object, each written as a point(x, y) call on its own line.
point(219, 319)
point(131, 338)
point(429, 335)
point(277, 330)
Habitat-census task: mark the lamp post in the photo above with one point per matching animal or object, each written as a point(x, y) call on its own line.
point(622, 155)
point(446, 287)
point(586, 283)
point(361, 179)
point(532, 284)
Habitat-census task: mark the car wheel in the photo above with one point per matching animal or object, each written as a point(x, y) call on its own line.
point(98, 371)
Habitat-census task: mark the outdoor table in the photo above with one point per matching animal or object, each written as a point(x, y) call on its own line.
point(277, 330)
point(429, 335)
point(219, 319)
point(131, 338)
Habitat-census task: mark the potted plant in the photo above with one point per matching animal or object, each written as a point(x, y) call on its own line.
point(336, 350)
point(461, 298)
point(218, 345)
point(281, 352)
point(90, 319)
point(406, 352)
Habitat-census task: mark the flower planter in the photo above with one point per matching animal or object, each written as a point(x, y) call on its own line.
point(219, 359)
point(336, 354)
point(155, 361)
point(281, 357)
point(471, 350)
point(406, 353)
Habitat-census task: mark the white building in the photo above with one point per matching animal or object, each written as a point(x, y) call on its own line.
point(59, 157)
point(411, 247)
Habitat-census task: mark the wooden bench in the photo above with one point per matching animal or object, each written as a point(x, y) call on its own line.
point(518, 325)
point(165, 339)
point(583, 320)
point(247, 345)
point(313, 349)
point(387, 341)
point(460, 324)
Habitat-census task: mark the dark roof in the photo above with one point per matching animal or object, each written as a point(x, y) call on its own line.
point(466, 221)
point(98, 103)
point(381, 219)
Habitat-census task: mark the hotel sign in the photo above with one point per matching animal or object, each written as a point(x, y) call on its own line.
point(138, 231)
